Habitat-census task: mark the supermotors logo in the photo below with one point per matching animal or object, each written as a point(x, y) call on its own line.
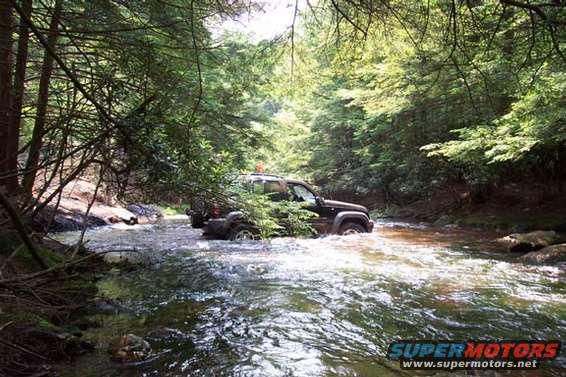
point(453, 355)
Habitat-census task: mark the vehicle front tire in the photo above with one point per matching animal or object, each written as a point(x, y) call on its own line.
point(351, 228)
point(242, 232)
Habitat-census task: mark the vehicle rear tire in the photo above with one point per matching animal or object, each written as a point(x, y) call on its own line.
point(242, 232)
point(351, 228)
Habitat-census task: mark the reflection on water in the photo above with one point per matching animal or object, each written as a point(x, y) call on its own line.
point(314, 307)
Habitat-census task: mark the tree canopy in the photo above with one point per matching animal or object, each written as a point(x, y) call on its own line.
point(396, 97)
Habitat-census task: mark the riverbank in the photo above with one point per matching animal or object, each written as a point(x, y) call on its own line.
point(43, 307)
point(511, 209)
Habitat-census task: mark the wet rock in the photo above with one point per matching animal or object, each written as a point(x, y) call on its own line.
point(106, 306)
point(524, 242)
point(72, 218)
point(117, 215)
point(443, 221)
point(129, 348)
point(549, 254)
point(167, 334)
point(63, 221)
point(450, 226)
point(146, 213)
point(132, 257)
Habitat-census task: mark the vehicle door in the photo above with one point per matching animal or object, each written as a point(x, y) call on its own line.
point(300, 193)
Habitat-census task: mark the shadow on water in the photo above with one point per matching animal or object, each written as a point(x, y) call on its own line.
point(314, 307)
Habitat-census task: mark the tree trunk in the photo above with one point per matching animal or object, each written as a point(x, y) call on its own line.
point(42, 103)
point(9, 139)
point(20, 76)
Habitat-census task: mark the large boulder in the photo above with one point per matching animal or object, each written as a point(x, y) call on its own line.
point(114, 215)
point(70, 217)
point(61, 221)
point(525, 242)
point(549, 254)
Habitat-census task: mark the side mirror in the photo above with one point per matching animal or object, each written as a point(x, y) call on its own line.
point(319, 201)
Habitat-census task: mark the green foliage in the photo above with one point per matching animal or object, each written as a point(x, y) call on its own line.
point(397, 97)
point(274, 218)
point(537, 118)
point(173, 210)
point(435, 94)
point(183, 105)
point(288, 152)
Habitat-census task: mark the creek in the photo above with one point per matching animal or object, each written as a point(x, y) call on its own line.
point(312, 307)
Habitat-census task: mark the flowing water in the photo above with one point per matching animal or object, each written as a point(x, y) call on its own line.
point(313, 307)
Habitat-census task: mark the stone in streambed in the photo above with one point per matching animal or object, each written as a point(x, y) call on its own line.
point(549, 254)
point(525, 242)
point(129, 348)
point(146, 213)
point(163, 333)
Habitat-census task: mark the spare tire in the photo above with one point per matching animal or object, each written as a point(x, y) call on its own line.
point(197, 220)
point(197, 212)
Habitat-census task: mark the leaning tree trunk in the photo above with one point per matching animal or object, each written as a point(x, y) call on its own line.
point(42, 102)
point(8, 138)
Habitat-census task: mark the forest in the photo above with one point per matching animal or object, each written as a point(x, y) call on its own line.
point(394, 98)
point(423, 109)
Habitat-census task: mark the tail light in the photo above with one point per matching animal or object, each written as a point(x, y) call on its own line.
point(215, 211)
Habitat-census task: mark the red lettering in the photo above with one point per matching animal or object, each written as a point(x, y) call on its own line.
point(474, 351)
point(551, 350)
point(521, 350)
point(491, 350)
point(536, 350)
point(507, 347)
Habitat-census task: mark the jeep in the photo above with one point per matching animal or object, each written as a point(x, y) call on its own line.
point(226, 222)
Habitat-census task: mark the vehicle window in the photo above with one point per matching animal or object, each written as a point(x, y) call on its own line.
point(274, 190)
point(271, 188)
point(300, 193)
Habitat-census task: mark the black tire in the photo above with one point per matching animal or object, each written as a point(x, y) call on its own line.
point(242, 232)
point(197, 220)
point(351, 228)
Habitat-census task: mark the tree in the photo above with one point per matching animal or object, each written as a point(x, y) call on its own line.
point(8, 152)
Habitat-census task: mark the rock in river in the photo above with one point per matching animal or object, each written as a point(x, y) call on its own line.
point(550, 254)
point(146, 213)
point(129, 348)
point(163, 333)
point(524, 242)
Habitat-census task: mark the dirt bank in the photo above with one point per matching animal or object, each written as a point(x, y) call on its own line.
point(68, 211)
point(509, 208)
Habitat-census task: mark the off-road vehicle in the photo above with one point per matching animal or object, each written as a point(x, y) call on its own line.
point(226, 222)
